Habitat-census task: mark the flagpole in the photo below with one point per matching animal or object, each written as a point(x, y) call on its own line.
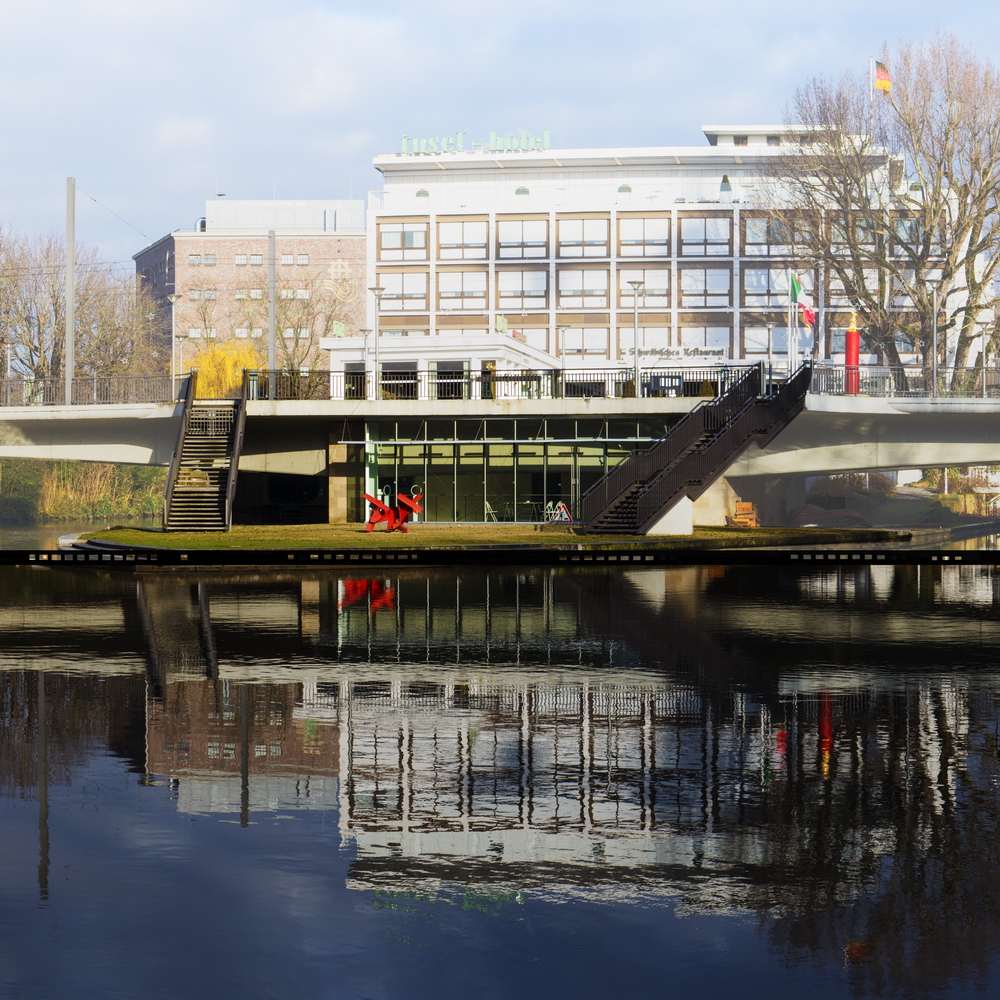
point(871, 96)
point(789, 339)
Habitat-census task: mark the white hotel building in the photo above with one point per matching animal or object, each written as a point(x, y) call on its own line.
point(529, 255)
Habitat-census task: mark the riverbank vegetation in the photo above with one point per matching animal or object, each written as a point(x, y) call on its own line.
point(65, 491)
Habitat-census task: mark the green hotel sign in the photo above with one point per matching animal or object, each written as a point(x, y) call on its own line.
point(456, 143)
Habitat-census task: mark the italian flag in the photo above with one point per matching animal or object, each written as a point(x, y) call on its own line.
point(803, 299)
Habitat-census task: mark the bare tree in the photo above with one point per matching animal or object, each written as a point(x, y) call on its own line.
point(116, 328)
point(888, 197)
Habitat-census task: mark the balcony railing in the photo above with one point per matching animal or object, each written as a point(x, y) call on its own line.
point(909, 381)
point(92, 390)
point(583, 383)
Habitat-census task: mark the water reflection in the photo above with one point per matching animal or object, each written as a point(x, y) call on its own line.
point(817, 749)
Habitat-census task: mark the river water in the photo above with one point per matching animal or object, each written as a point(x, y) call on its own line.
point(692, 782)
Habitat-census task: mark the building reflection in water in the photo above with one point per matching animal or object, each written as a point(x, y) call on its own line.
point(818, 748)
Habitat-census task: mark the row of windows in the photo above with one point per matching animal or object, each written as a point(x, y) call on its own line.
point(664, 342)
point(210, 294)
point(699, 237)
point(254, 259)
point(244, 332)
point(699, 287)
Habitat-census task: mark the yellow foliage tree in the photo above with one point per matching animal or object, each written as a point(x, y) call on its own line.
point(220, 368)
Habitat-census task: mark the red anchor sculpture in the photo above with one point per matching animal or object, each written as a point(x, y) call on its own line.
point(395, 518)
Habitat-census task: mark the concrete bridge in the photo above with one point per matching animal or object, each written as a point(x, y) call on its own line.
point(838, 431)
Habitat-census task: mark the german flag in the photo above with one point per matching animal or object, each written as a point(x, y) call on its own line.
point(883, 81)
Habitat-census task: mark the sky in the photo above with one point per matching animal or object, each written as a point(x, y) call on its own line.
point(154, 108)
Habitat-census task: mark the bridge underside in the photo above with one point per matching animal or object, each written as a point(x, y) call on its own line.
point(302, 441)
point(130, 434)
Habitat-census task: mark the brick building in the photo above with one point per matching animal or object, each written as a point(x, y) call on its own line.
point(210, 282)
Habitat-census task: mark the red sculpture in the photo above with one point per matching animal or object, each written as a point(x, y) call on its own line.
point(394, 517)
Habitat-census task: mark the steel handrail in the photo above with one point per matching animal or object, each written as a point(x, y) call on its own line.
point(190, 389)
point(695, 471)
point(643, 464)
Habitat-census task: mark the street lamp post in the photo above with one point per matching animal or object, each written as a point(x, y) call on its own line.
point(377, 291)
point(934, 338)
point(366, 333)
point(561, 338)
point(172, 299)
point(770, 324)
point(637, 287)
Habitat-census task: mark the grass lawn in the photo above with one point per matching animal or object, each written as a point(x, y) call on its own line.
point(346, 536)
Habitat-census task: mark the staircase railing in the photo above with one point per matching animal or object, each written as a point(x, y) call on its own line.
point(694, 473)
point(239, 426)
point(642, 465)
point(190, 389)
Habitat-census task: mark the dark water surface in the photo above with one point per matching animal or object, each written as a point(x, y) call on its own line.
point(695, 782)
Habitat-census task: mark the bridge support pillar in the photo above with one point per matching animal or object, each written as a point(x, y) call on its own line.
point(679, 520)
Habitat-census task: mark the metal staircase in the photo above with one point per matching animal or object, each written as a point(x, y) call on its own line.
point(699, 448)
point(202, 479)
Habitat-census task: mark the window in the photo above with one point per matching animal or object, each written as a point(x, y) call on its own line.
point(210, 293)
point(583, 237)
point(528, 238)
point(302, 293)
point(774, 140)
point(291, 332)
point(287, 258)
point(848, 296)
point(740, 140)
point(764, 286)
point(705, 237)
point(288, 333)
point(755, 339)
point(210, 331)
point(242, 293)
point(589, 340)
point(403, 291)
point(194, 294)
point(462, 289)
point(644, 237)
point(304, 332)
point(256, 259)
point(194, 332)
point(242, 332)
point(302, 259)
point(839, 234)
point(462, 240)
point(522, 289)
point(766, 237)
point(908, 233)
point(258, 331)
point(706, 288)
point(241, 259)
point(208, 259)
point(256, 293)
point(583, 288)
point(710, 338)
point(194, 259)
point(287, 293)
point(655, 291)
point(403, 241)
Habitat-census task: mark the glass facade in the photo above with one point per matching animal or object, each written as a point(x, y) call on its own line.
point(500, 469)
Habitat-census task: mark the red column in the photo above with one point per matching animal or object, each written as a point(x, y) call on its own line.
point(852, 352)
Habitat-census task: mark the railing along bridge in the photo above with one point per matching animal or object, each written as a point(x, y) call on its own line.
point(878, 381)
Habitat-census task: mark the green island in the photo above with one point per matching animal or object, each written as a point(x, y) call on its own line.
point(346, 536)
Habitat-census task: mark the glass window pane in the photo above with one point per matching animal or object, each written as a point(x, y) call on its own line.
point(534, 231)
point(693, 229)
